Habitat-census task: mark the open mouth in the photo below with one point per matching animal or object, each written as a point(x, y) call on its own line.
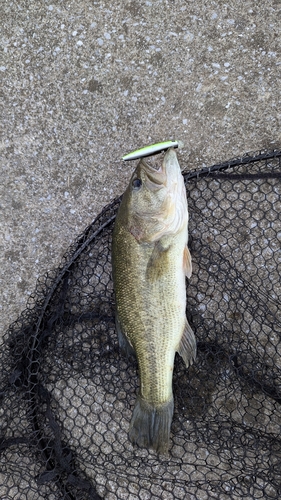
point(154, 162)
point(155, 172)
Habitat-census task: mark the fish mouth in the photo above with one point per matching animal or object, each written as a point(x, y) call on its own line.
point(155, 175)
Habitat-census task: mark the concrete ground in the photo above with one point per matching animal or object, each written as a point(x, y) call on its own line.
point(85, 81)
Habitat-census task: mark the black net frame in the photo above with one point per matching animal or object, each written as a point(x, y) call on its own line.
point(67, 394)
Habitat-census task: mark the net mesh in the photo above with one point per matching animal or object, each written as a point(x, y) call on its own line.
point(67, 393)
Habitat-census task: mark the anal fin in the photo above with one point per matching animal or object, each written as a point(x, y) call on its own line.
point(187, 347)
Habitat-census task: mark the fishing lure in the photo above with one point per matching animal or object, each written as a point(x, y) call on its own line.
point(152, 149)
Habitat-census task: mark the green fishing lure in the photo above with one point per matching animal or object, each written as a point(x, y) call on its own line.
point(152, 149)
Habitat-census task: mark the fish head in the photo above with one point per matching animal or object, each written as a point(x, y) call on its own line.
point(155, 200)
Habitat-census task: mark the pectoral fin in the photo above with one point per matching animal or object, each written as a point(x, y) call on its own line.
point(187, 265)
point(158, 262)
point(124, 343)
point(187, 347)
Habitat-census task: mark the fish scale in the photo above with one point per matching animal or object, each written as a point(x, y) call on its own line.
point(150, 261)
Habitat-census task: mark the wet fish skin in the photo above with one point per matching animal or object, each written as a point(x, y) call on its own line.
point(150, 260)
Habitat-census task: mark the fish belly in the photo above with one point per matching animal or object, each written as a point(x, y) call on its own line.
point(150, 301)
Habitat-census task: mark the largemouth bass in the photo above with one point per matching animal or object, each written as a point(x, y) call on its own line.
point(150, 262)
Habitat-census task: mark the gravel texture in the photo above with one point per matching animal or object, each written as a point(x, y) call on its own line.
point(86, 82)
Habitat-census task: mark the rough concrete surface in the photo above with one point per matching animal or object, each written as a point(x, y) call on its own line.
point(86, 81)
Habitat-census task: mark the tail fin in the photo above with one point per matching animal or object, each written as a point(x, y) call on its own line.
point(150, 425)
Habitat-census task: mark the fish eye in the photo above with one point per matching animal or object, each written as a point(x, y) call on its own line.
point(136, 183)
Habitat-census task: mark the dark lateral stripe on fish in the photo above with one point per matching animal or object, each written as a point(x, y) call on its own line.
point(152, 149)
